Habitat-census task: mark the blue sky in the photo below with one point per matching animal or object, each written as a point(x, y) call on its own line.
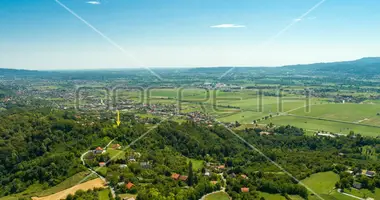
point(184, 33)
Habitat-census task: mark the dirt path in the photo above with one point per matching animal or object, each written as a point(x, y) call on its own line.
point(96, 183)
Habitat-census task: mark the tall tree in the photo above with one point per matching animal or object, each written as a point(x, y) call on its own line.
point(191, 176)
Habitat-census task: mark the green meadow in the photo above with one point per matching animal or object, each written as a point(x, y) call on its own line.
point(218, 196)
point(323, 184)
point(313, 125)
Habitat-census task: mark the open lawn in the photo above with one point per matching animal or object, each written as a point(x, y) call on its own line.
point(103, 195)
point(364, 193)
point(323, 184)
point(268, 196)
point(197, 164)
point(116, 154)
point(218, 196)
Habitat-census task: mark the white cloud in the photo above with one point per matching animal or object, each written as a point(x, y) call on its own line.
point(93, 2)
point(297, 20)
point(228, 26)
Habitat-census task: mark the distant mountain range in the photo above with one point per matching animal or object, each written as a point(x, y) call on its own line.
point(369, 66)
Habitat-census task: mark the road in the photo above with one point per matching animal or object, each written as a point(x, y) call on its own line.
point(350, 195)
point(94, 172)
point(222, 189)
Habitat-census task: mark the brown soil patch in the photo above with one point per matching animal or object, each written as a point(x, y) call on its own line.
point(96, 183)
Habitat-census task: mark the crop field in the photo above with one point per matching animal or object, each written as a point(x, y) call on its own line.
point(37, 189)
point(245, 106)
point(313, 125)
point(356, 113)
point(96, 183)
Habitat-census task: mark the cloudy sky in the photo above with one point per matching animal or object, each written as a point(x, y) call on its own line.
point(74, 34)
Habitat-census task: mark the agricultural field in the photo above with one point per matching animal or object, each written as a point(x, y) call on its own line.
point(313, 125)
point(96, 183)
point(355, 113)
point(37, 189)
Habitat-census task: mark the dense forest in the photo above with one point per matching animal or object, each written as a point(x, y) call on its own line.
point(44, 146)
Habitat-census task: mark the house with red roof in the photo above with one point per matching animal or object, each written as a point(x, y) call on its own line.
point(129, 185)
point(98, 150)
point(183, 178)
point(244, 189)
point(102, 164)
point(175, 176)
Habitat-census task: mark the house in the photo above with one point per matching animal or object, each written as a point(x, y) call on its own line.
point(183, 178)
point(102, 164)
point(123, 166)
point(145, 165)
point(233, 175)
point(244, 190)
point(214, 182)
point(129, 185)
point(175, 176)
point(221, 167)
point(131, 159)
point(207, 173)
point(244, 176)
point(116, 146)
point(129, 198)
point(357, 185)
point(265, 133)
point(98, 150)
point(370, 174)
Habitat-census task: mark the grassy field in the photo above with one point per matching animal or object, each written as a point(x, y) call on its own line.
point(268, 196)
point(364, 193)
point(357, 113)
point(103, 195)
point(245, 106)
point(116, 154)
point(95, 183)
point(312, 125)
point(37, 189)
point(122, 196)
point(324, 185)
point(197, 164)
point(218, 196)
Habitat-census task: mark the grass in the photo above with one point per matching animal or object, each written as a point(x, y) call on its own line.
point(364, 193)
point(268, 196)
point(116, 154)
point(38, 189)
point(197, 164)
point(218, 196)
point(323, 184)
point(122, 196)
point(312, 125)
point(103, 195)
